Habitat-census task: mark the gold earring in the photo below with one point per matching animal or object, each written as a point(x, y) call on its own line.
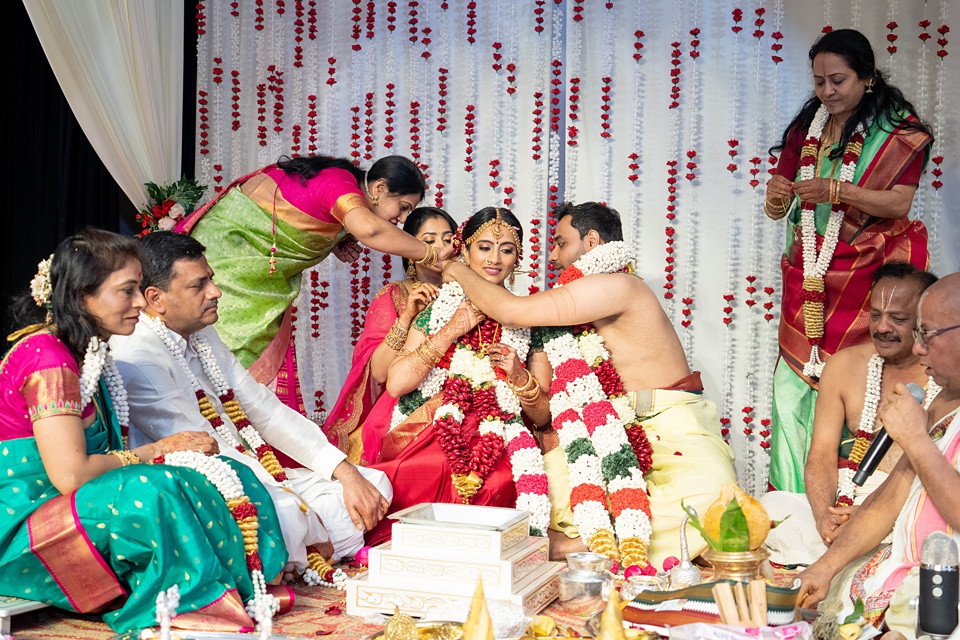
point(870, 84)
point(513, 277)
point(374, 201)
point(412, 271)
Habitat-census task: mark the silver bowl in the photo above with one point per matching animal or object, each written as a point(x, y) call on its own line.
point(588, 561)
point(584, 592)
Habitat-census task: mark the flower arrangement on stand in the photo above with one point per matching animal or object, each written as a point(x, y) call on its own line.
point(168, 204)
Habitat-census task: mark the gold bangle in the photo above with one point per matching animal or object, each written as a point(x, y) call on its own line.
point(396, 337)
point(782, 207)
point(430, 257)
point(430, 359)
point(836, 199)
point(428, 343)
point(125, 456)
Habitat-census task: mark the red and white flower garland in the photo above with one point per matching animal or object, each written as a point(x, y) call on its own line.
point(466, 379)
point(607, 448)
point(815, 265)
point(263, 606)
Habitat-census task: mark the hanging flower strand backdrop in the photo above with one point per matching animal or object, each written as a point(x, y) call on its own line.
point(664, 109)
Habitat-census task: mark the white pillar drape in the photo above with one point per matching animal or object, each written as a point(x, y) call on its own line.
point(120, 65)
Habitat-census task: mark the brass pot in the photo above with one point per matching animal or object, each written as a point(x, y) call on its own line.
point(742, 566)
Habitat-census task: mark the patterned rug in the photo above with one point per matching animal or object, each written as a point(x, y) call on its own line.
point(318, 613)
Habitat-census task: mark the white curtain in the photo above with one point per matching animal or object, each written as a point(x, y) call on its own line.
point(120, 65)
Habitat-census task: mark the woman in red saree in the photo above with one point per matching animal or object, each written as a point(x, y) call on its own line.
point(384, 332)
point(850, 165)
point(434, 442)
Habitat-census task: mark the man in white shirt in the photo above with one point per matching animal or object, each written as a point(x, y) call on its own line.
point(175, 362)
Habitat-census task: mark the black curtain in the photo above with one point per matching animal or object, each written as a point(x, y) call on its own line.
point(56, 183)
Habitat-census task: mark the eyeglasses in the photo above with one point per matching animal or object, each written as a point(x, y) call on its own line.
point(923, 335)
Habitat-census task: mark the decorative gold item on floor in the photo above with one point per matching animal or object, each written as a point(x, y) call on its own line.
point(611, 622)
point(478, 626)
point(400, 627)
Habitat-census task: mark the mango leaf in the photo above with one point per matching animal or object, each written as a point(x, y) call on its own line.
point(857, 613)
point(734, 533)
point(695, 521)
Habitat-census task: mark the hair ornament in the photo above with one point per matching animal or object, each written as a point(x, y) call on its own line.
point(40, 287)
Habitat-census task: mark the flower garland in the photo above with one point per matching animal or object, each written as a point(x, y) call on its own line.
point(96, 362)
point(846, 491)
point(264, 452)
point(815, 265)
point(263, 606)
point(607, 448)
point(468, 381)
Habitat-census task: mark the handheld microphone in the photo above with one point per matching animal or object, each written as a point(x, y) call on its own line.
point(939, 586)
point(881, 443)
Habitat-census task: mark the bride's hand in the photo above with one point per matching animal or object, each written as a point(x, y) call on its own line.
point(505, 357)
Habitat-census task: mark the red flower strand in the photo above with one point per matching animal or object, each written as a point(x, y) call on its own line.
point(298, 30)
point(737, 18)
point(574, 107)
point(892, 37)
point(312, 123)
point(388, 110)
point(204, 124)
point(605, 107)
point(537, 138)
point(442, 101)
point(675, 62)
point(670, 230)
point(638, 44)
point(468, 131)
point(776, 47)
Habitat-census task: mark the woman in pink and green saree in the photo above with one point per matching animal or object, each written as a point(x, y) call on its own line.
point(89, 525)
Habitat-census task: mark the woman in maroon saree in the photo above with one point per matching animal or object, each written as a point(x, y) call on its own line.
point(384, 331)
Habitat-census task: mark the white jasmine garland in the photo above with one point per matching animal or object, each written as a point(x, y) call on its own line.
point(97, 362)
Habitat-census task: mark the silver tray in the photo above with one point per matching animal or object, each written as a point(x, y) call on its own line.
point(460, 516)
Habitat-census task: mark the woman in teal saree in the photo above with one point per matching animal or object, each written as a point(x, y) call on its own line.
point(85, 526)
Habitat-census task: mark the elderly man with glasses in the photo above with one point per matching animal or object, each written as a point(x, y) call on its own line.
point(922, 493)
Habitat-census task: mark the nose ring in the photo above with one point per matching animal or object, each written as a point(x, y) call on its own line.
point(489, 261)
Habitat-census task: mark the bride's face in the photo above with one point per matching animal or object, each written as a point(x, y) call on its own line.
point(491, 257)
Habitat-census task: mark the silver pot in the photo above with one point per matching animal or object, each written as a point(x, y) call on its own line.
point(584, 592)
point(588, 561)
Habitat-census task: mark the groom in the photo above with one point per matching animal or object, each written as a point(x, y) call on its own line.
point(690, 459)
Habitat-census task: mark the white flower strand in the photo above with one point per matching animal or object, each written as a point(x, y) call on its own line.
point(98, 362)
point(167, 603)
point(609, 257)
